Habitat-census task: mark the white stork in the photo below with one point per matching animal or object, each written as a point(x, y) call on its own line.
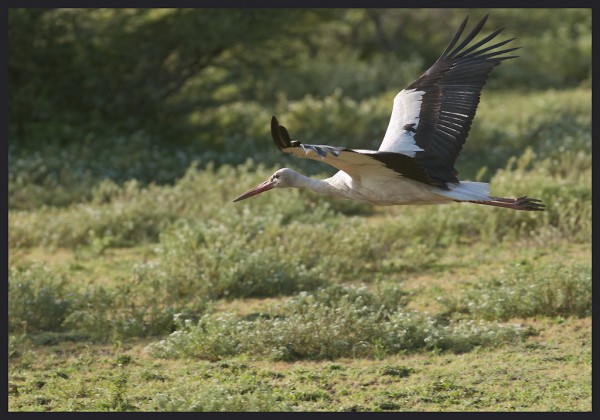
point(429, 124)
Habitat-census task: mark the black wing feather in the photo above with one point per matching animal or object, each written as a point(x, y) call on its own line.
point(452, 89)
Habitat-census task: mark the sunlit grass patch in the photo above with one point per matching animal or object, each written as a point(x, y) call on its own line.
point(253, 398)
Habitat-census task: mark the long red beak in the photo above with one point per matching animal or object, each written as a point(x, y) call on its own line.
point(260, 188)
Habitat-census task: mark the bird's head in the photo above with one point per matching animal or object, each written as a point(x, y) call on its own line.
point(284, 177)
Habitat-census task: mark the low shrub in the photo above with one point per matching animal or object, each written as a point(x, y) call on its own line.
point(527, 291)
point(44, 300)
point(336, 321)
point(39, 299)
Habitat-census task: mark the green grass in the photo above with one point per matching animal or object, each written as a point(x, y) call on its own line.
point(550, 372)
point(135, 297)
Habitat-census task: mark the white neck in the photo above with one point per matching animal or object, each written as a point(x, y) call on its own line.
point(322, 186)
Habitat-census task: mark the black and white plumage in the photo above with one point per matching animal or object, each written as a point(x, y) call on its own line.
point(430, 122)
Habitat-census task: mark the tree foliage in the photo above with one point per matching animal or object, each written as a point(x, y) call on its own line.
point(121, 70)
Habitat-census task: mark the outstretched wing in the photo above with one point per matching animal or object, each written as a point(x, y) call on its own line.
point(356, 163)
point(432, 117)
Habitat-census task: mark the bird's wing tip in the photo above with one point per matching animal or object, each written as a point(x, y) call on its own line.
point(280, 135)
point(276, 134)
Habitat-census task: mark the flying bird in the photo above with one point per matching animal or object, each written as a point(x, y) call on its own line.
point(429, 124)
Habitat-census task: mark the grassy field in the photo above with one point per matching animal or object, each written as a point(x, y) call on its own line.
point(172, 298)
point(547, 370)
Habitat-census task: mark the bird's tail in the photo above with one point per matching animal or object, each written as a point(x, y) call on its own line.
point(478, 193)
point(521, 203)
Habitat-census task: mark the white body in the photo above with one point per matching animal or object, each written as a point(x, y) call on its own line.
point(391, 191)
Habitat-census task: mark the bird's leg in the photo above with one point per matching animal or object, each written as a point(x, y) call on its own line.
point(521, 203)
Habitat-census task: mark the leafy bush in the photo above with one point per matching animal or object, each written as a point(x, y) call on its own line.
point(527, 291)
point(566, 193)
point(42, 299)
point(256, 253)
point(132, 216)
point(39, 299)
point(336, 321)
point(553, 123)
point(214, 261)
point(107, 313)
